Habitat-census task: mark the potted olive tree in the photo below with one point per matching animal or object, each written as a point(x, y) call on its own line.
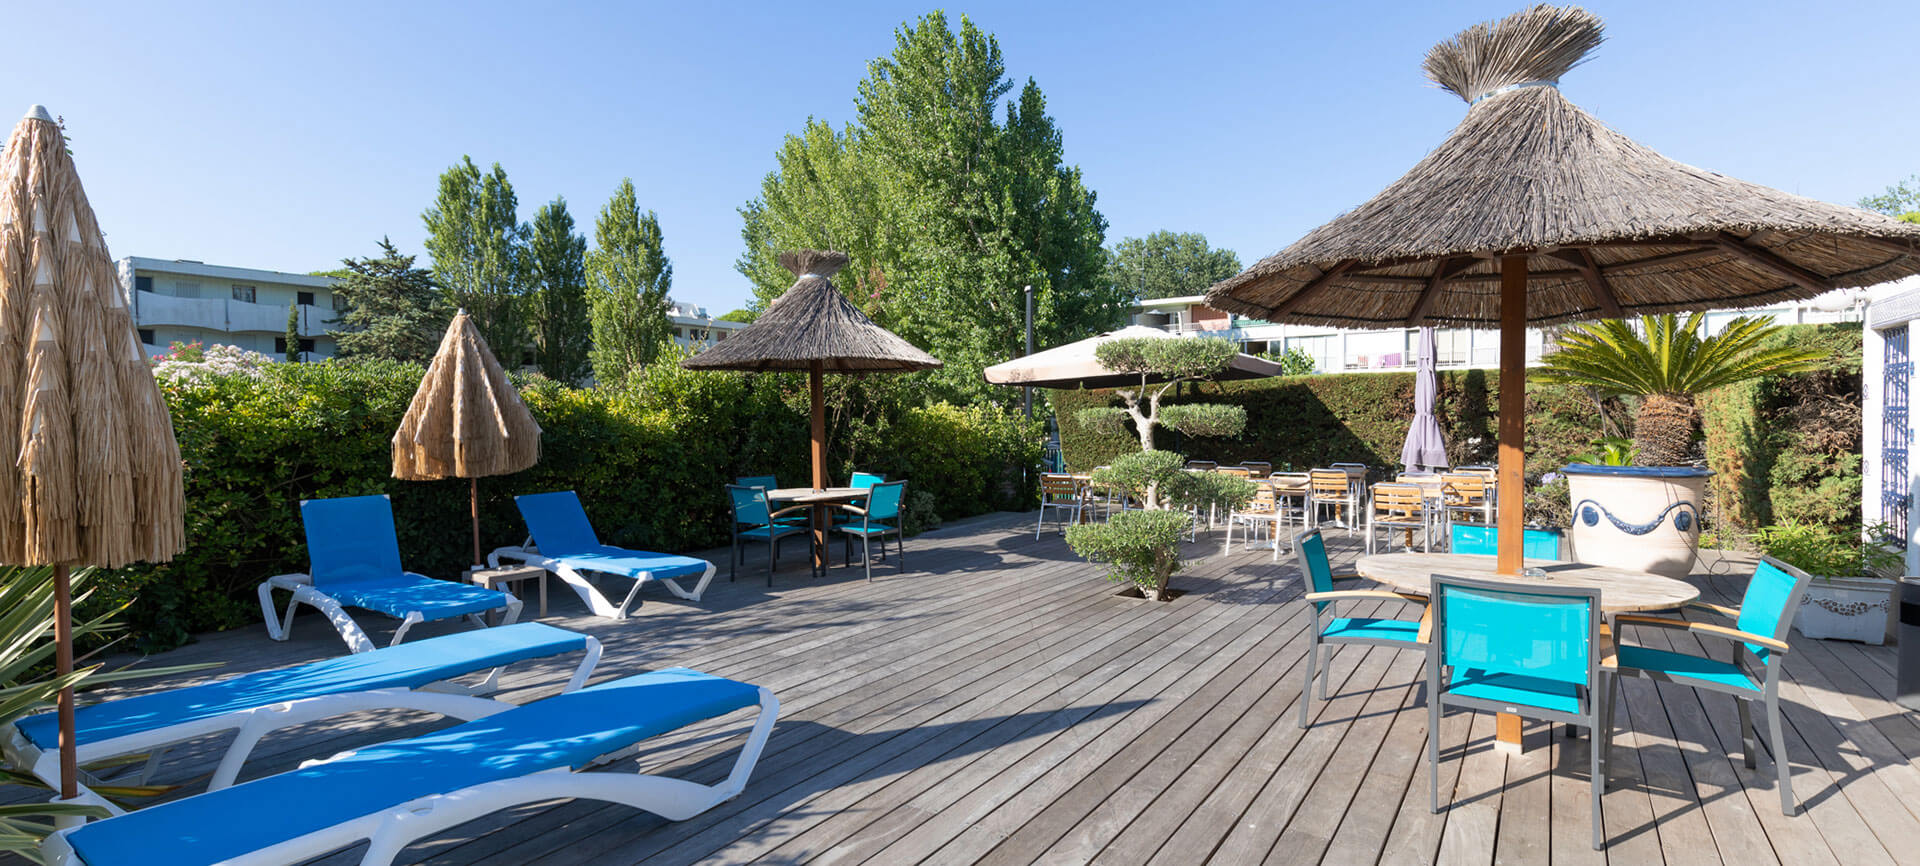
point(1647, 516)
point(1142, 547)
point(1849, 598)
point(1163, 363)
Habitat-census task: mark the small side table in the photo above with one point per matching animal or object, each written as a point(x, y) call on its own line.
point(507, 575)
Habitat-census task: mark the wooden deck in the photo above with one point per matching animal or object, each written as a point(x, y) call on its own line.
point(998, 704)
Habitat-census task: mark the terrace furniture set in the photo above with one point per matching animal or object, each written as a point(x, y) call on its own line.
point(868, 508)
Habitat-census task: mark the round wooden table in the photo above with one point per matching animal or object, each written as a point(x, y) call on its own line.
point(822, 501)
point(1622, 590)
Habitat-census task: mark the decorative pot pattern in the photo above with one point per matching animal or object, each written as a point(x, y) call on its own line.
point(1847, 608)
point(1645, 518)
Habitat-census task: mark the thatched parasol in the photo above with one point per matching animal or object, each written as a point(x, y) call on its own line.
point(465, 421)
point(1077, 365)
point(1534, 212)
point(92, 475)
point(813, 327)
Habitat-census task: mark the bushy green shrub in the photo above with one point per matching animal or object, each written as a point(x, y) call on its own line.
point(1142, 547)
point(1145, 476)
point(1209, 420)
point(649, 457)
point(1823, 551)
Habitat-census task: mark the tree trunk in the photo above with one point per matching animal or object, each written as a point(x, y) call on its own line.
point(1663, 431)
point(1163, 566)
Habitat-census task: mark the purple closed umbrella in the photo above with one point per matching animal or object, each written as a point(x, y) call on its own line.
point(1425, 449)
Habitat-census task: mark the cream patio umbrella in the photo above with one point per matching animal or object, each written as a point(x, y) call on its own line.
point(1534, 212)
point(1077, 365)
point(92, 475)
point(465, 421)
point(813, 327)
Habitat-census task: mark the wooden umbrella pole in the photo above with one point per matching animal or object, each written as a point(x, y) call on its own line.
point(1512, 491)
point(816, 374)
point(62, 667)
point(473, 509)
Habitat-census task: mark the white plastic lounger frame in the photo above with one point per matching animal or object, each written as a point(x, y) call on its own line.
point(528, 554)
point(301, 585)
point(250, 725)
point(391, 830)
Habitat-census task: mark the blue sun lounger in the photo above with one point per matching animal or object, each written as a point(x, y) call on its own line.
point(563, 542)
point(411, 676)
point(392, 794)
point(353, 554)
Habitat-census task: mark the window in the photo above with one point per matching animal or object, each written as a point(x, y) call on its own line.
point(1453, 347)
point(305, 299)
point(1321, 349)
point(339, 302)
point(143, 284)
point(146, 336)
point(243, 293)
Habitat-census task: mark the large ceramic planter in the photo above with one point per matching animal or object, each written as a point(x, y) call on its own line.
point(1646, 518)
point(1847, 608)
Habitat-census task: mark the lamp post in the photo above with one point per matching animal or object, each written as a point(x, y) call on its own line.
point(1029, 388)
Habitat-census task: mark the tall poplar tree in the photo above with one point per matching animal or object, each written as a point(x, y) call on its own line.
point(558, 257)
point(951, 193)
point(478, 246)
point(394, 310)
point(628, 276)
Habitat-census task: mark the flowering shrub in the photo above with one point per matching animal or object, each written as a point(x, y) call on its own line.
point(193, 364)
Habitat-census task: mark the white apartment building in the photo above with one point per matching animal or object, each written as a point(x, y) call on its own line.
point(695, 328)
point(1338, 350)
point(183, 301)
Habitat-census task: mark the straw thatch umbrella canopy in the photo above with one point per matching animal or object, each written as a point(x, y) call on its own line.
point(92, 475)
point(465, 421)
point(1077, 365)
point(813, 327)
point(1534, 212)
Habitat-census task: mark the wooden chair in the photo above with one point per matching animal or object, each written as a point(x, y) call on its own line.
point(1240, 471)
point(1292, 495)
point(1257, 468)
point(1467, 494)
point(1264, 510)
point(1202, 465)
point(1062, 493)
point(1332, 488)
point(1398, 506)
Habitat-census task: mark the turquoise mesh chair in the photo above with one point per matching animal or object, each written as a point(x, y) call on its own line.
point(860, 481)
point(1485, 540)
point(754, 520)
point(770, 484)
point(1759, 638)
point(1530, 652)
point(1329, 628)
point(879, 519)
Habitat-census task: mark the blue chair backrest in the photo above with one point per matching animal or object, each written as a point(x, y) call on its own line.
point(749, 505)
point(1312, 550)
point(1772, 598)
point(766, 481)
point(866, 480)
point(1495, 629)
point(557, 522)
point(884, 502)
point(1485, 540)
point(350, 538)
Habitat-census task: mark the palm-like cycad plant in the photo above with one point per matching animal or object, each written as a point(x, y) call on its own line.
point(1666, 363)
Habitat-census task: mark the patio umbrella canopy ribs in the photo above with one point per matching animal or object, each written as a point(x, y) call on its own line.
point(1533, 213)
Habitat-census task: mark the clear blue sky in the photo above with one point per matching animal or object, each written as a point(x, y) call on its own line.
point(288, 136)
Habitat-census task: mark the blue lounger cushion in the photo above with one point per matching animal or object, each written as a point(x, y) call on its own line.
point(562, 532)
point(567, 730)
point(409, 665)
point(353, 555)
point(402, 594)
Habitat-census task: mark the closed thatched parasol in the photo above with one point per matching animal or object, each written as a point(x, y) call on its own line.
point(813, 327)
point(92, 475)
point(1535, 212)
point(465, 421)
point(1077, 365)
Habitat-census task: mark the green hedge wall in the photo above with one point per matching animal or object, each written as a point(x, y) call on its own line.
point(649, 460)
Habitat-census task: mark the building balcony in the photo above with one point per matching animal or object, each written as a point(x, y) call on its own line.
point(166, 310)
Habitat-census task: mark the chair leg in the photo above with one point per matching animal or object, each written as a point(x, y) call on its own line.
point(866, 556)
point(773, 556)
point(1781, 768)
point(1306, 688)
point(1040, 525)
point(1748, 742)
point(733, 563)
point(1433, 744)
point(1326, 668)
point(1613, 706)
point(1598, 781)
point(900, 543)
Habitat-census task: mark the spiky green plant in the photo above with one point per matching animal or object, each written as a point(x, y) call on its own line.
point(1666, 363)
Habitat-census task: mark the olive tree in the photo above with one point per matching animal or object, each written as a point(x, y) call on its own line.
point(1162, 363)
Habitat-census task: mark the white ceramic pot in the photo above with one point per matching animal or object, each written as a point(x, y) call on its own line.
point(1847, 608)
point(1646, 518)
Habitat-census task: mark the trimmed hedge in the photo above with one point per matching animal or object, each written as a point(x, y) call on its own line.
point(649, 460)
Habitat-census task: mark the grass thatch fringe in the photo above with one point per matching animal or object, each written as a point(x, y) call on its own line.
point(813, 322)
point(1610, 227)
point(466, 420)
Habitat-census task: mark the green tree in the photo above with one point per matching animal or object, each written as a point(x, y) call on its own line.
point(1169, 265)
point(394, 310)
point(628, 275)
point(743, 316)
point(292, 338)
point(1168, 362)
point(479, 254)
point(1901, 200)
point(1666, 363)
point(947, 204)
point(558, 265)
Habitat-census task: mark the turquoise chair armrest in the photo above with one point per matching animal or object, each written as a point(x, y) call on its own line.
point(1705, 629)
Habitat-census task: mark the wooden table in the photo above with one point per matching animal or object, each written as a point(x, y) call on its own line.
point(507, 575)
point(822, 501)
point(1622, 590)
